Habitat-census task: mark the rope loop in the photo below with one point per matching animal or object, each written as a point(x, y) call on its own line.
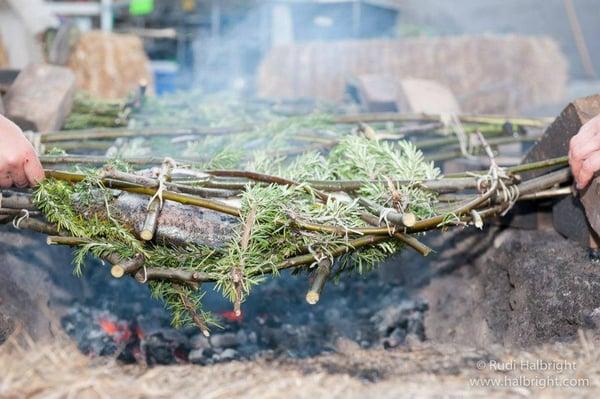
point(17, 221)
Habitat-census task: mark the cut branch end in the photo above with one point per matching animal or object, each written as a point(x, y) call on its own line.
point(147, 235)
point(409, 219)
point(312, 297)
point(117, 271)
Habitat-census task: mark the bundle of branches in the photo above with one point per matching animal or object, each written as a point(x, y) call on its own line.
point(90, 112)
point(177, 228)
point(196, 127)
point(234, 145)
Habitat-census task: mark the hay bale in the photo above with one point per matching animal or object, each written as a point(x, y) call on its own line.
point(488, 74)
point(110, 65)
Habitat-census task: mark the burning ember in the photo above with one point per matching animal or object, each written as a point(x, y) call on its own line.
point(120, 331)
point(232, 316)
point(367, 311)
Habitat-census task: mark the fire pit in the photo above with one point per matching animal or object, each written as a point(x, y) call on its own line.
point(118, 320)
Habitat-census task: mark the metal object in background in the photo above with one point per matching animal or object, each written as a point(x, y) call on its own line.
point(7, 77)
point(580, 43)
point(89, 9)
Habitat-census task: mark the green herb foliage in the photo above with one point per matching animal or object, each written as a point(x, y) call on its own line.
point(269, 212)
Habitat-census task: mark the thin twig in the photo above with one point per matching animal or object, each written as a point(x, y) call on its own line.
point(96, 134)
point(129, 266)
point(237, 273)
point(189, 306)
point(156, 202)
point(133, 188)
point(321, 275)
point(409, 240)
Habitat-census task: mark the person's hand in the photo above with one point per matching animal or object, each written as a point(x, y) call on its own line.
point(19, 164)
point(584, 152)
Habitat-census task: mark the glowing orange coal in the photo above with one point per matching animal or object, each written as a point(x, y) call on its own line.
point(119, 331)
point(232, 316)
point(109, 327)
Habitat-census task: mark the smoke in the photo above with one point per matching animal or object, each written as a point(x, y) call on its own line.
point(228, 57)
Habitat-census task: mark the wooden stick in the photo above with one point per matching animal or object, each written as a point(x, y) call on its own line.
point(321, 275)
point(439, 185)
point(77, 241)
point(156, 203)
point(339, 230)
point(173, 274)
point(78, 145)
point(476, 119)
point(39, 226)
point(307, 259)
point(545, 181)
point(407, 219)
point(96, 134)
point(526, 167)
point(17, 212)
point(189, 306)
point(130, 266)
point(435, 221)
point(67, 240)
point(149, 227)
point(553, 193)
point(110, 172)
point(237, 273)
point(133, 188)
point(409, 240)
point(102, 160)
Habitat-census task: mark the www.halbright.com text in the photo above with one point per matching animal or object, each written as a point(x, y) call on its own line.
point(529, 382)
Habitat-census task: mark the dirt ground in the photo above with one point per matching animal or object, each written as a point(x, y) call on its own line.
point(419, 370)
point(501, 324)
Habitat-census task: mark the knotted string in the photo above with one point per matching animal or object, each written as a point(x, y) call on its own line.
point(452, 123)
point(17, 221)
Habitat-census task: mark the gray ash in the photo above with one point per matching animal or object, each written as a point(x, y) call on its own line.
point(276, 322)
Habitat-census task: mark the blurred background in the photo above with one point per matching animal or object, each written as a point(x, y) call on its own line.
point(478, 56)
point(231, 84)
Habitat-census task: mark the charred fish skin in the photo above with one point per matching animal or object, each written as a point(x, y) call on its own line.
point(177, 224)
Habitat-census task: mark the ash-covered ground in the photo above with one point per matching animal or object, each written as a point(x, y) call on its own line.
point(510, 287)
point(120, 320)
point(419, 325)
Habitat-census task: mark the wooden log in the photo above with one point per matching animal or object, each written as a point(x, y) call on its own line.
point(568, 216)
point(41, 97)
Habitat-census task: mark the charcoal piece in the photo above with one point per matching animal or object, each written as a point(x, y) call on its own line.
point(225, 340)
point(228, 355)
